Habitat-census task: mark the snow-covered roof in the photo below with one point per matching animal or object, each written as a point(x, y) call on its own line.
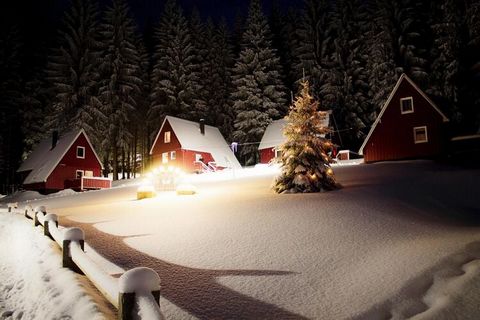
point(43, 159)
point(273, 135)
point(387, 103)
point(190, 138)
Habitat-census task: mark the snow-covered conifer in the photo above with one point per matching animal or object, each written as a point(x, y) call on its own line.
point(173, 78)
point(73, 71)
point(259, 94)
point(305, 160)
point(120, 82)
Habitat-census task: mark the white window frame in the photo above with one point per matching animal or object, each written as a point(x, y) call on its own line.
point(415, 134)
point(79, 171)
point(167, 137)
point(198, 156)
point(401, 105)
point(278, 153)
point(81, 148)
point(165, 157)
point(173, 155)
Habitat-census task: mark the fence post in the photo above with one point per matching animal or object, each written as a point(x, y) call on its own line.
point(39, 209)
point(50, 219)
point(136, 280)
point(71, 234)
point(27, 208)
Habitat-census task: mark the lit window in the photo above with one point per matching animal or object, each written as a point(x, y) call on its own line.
point(406, 105)
point(79, 174)
point(173, 155)
point(165, 157)
point(88, 173)
point(81, 152)
point(166, 137)
point(420, 134)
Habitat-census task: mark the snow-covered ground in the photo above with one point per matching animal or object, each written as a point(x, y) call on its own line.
point(33, 285)
point(400, 240)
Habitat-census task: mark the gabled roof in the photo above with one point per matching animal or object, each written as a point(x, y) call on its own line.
point(43, 160)
point(273, 135)
point(190, 138)
point(387, 103)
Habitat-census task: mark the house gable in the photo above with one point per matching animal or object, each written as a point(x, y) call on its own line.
point(423, 106)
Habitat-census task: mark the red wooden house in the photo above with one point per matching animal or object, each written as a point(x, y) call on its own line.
point(61, 162)
point(191, 146)
point(409, 126)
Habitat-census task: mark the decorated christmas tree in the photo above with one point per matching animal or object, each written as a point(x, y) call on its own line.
point(305, 159)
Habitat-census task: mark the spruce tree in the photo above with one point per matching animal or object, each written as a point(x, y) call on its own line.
point(217, 78)
point(73, 72)
point(174, 79)
point(10, 111)
point(305, 156)
point(121, 82)
point(259, 94)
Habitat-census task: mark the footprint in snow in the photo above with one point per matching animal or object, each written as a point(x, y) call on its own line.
point(6, 314)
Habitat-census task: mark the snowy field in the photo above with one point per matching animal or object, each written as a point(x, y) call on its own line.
point(400, 240)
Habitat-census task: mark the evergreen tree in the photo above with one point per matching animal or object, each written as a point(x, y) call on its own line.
point(259, 94)
point(73, 72)
point(121, 83)
point(200, 67)
point(305, 160)
point(446, 26)
point(10, 98)
point(174, 79)
point(217, 77)
point(352, 106)
point(381, 65)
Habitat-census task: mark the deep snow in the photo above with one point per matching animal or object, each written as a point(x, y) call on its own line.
point(400, 239)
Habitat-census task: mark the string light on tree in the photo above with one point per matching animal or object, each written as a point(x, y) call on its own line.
point(305, 160)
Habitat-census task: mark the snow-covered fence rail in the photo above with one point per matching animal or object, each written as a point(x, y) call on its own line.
point(136, 294)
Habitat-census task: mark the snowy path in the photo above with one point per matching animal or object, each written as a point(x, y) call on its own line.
point(386, 246)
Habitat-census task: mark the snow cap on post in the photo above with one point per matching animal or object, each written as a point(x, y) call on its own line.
point(73, 234)
point(139, 279)
point(51, 217)
point(41, 209)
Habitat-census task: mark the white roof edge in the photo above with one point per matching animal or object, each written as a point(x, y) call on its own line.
point(390, 97)
point(68, 148)
point(158, 135)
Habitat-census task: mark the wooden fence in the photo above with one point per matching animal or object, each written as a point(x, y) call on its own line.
point(135, 294)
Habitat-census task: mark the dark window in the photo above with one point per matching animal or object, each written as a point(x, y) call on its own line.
point(406, 105)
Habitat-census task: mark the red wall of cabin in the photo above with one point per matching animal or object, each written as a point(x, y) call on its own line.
point(266, 155)
point(66, 168)
point(393, 138)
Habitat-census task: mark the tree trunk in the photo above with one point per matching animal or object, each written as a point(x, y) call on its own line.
point(123, 163)
point(115, 161)
point(135, 136)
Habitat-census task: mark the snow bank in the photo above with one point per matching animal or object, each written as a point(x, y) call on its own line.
point(33, 285)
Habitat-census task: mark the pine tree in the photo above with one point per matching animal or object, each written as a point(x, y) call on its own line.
point(73, 72)
point(305, 160)
point(446, 26)
point(217, 78)
point(121, 83)
point(173, 78)
point(259, 94)
point(10, 98)
point(381, 65)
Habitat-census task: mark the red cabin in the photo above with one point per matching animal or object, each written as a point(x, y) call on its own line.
point(191, 146)
point(409, 126)
point(62, 162)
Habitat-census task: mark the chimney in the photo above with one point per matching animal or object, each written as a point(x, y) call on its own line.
point(54, 138)
point(202, 126)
